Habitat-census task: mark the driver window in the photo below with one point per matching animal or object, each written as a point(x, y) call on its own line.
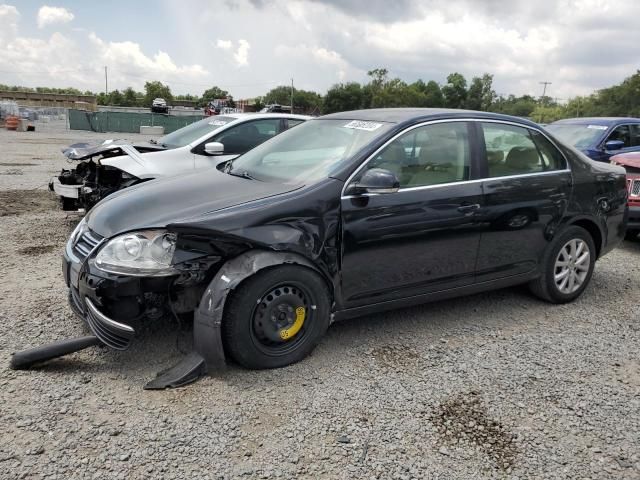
point(622, 134)
point(429, 155)
point(242, 138)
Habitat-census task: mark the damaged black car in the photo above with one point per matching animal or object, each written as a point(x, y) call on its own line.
point(348, 214)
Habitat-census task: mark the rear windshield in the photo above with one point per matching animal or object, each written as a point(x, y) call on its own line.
point(309, 152)
point(193, 132)
point(581, 136)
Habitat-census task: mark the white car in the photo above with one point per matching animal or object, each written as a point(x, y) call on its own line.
point(112, 165)
point(159, 105)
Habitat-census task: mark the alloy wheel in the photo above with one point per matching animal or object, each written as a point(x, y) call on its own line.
point(572, 266)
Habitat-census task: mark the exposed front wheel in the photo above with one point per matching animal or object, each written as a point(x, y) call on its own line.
point(276, 317)
point(567, 267)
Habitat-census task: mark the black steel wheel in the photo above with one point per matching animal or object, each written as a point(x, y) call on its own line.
point(276, 317)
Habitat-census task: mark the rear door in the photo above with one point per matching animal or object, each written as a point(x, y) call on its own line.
point(526, 192)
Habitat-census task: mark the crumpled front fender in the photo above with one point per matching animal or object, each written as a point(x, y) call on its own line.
point(208, 317)
point(208, 356)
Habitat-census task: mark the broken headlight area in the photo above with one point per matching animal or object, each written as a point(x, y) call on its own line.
point(95, 182)
point(144, 254)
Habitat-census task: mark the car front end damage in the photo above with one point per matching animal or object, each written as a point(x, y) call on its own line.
point(203, 269)
point(91, 180)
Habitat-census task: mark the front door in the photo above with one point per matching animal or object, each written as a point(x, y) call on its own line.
point(526, 193)
point(422, 238)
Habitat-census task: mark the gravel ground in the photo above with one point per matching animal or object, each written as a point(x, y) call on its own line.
point(498, 385)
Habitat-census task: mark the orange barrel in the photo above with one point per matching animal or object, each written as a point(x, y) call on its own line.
point(11, 123)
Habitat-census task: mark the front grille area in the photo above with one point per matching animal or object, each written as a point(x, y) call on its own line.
point(113, 334)
point(634, 187)
point(85, 244)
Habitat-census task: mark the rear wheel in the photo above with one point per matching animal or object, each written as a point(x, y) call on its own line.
point(567, 267)
point(276, 317)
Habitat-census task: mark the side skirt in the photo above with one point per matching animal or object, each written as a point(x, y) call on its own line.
point(435, 296)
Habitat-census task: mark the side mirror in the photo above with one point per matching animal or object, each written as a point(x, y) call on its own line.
point(214, 148)
point(377, 180)
point(614, 145)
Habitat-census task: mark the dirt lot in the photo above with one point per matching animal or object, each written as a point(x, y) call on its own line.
point(498, 385)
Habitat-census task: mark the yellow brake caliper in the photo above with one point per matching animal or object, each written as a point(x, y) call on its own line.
point(287, 333)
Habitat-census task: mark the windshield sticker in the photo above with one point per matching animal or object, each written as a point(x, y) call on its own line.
point(597, 127)
point(217, 123)
point(360, 125)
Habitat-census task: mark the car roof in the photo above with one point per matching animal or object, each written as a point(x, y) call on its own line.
point(595, 120)
point(401, 115)
point(250, 116)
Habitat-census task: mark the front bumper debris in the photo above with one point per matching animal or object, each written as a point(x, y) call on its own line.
point(66, 191)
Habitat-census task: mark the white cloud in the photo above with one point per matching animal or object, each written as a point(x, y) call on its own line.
point(64, 60)
point(9, 17)
point(242, 53)
point(51, 15)
point(224, 44)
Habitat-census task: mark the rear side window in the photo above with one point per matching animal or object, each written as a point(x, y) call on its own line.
point(292, 122)
point(515, 150)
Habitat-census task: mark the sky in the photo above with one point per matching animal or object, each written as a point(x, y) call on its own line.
point(250, 46)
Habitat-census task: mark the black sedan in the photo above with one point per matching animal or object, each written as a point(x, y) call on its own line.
point(345, 215)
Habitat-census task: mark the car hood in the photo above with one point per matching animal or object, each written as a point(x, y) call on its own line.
point(176, 199)
point(631, 159)
point(109, 148)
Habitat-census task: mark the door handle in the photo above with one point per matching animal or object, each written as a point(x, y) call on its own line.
point(468, 208)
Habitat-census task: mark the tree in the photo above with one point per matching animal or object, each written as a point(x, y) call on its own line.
point(432, 94)
point(211, 94)
point(116, 98)
point(303, 100)
point(518, 106)
point(343, 97)
point(154, 90)
point(280, 95)
point(455, 91)
point(129, 97)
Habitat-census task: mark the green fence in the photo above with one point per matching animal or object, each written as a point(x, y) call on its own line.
point(126, 122)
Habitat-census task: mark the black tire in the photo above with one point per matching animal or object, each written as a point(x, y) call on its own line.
point(243, 329)
point(545, 286)
point(632, 235)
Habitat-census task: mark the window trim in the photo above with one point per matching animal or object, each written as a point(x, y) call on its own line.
point(472, 136)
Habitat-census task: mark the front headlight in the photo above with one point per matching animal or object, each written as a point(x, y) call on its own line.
point(143, 254)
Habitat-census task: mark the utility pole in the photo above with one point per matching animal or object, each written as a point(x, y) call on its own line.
point(544, 89)
point(292, 95)
point(106, 87)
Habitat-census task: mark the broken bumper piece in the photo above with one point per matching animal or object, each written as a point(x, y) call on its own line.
point(113, 334)
point(62, 190)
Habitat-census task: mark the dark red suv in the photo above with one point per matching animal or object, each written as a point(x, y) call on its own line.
point(631, 162)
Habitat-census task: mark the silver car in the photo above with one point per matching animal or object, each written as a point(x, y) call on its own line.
point(113, 165)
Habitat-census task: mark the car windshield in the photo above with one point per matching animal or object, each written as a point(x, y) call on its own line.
point(190, 133)
point(307, 153)
point(580, 136)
